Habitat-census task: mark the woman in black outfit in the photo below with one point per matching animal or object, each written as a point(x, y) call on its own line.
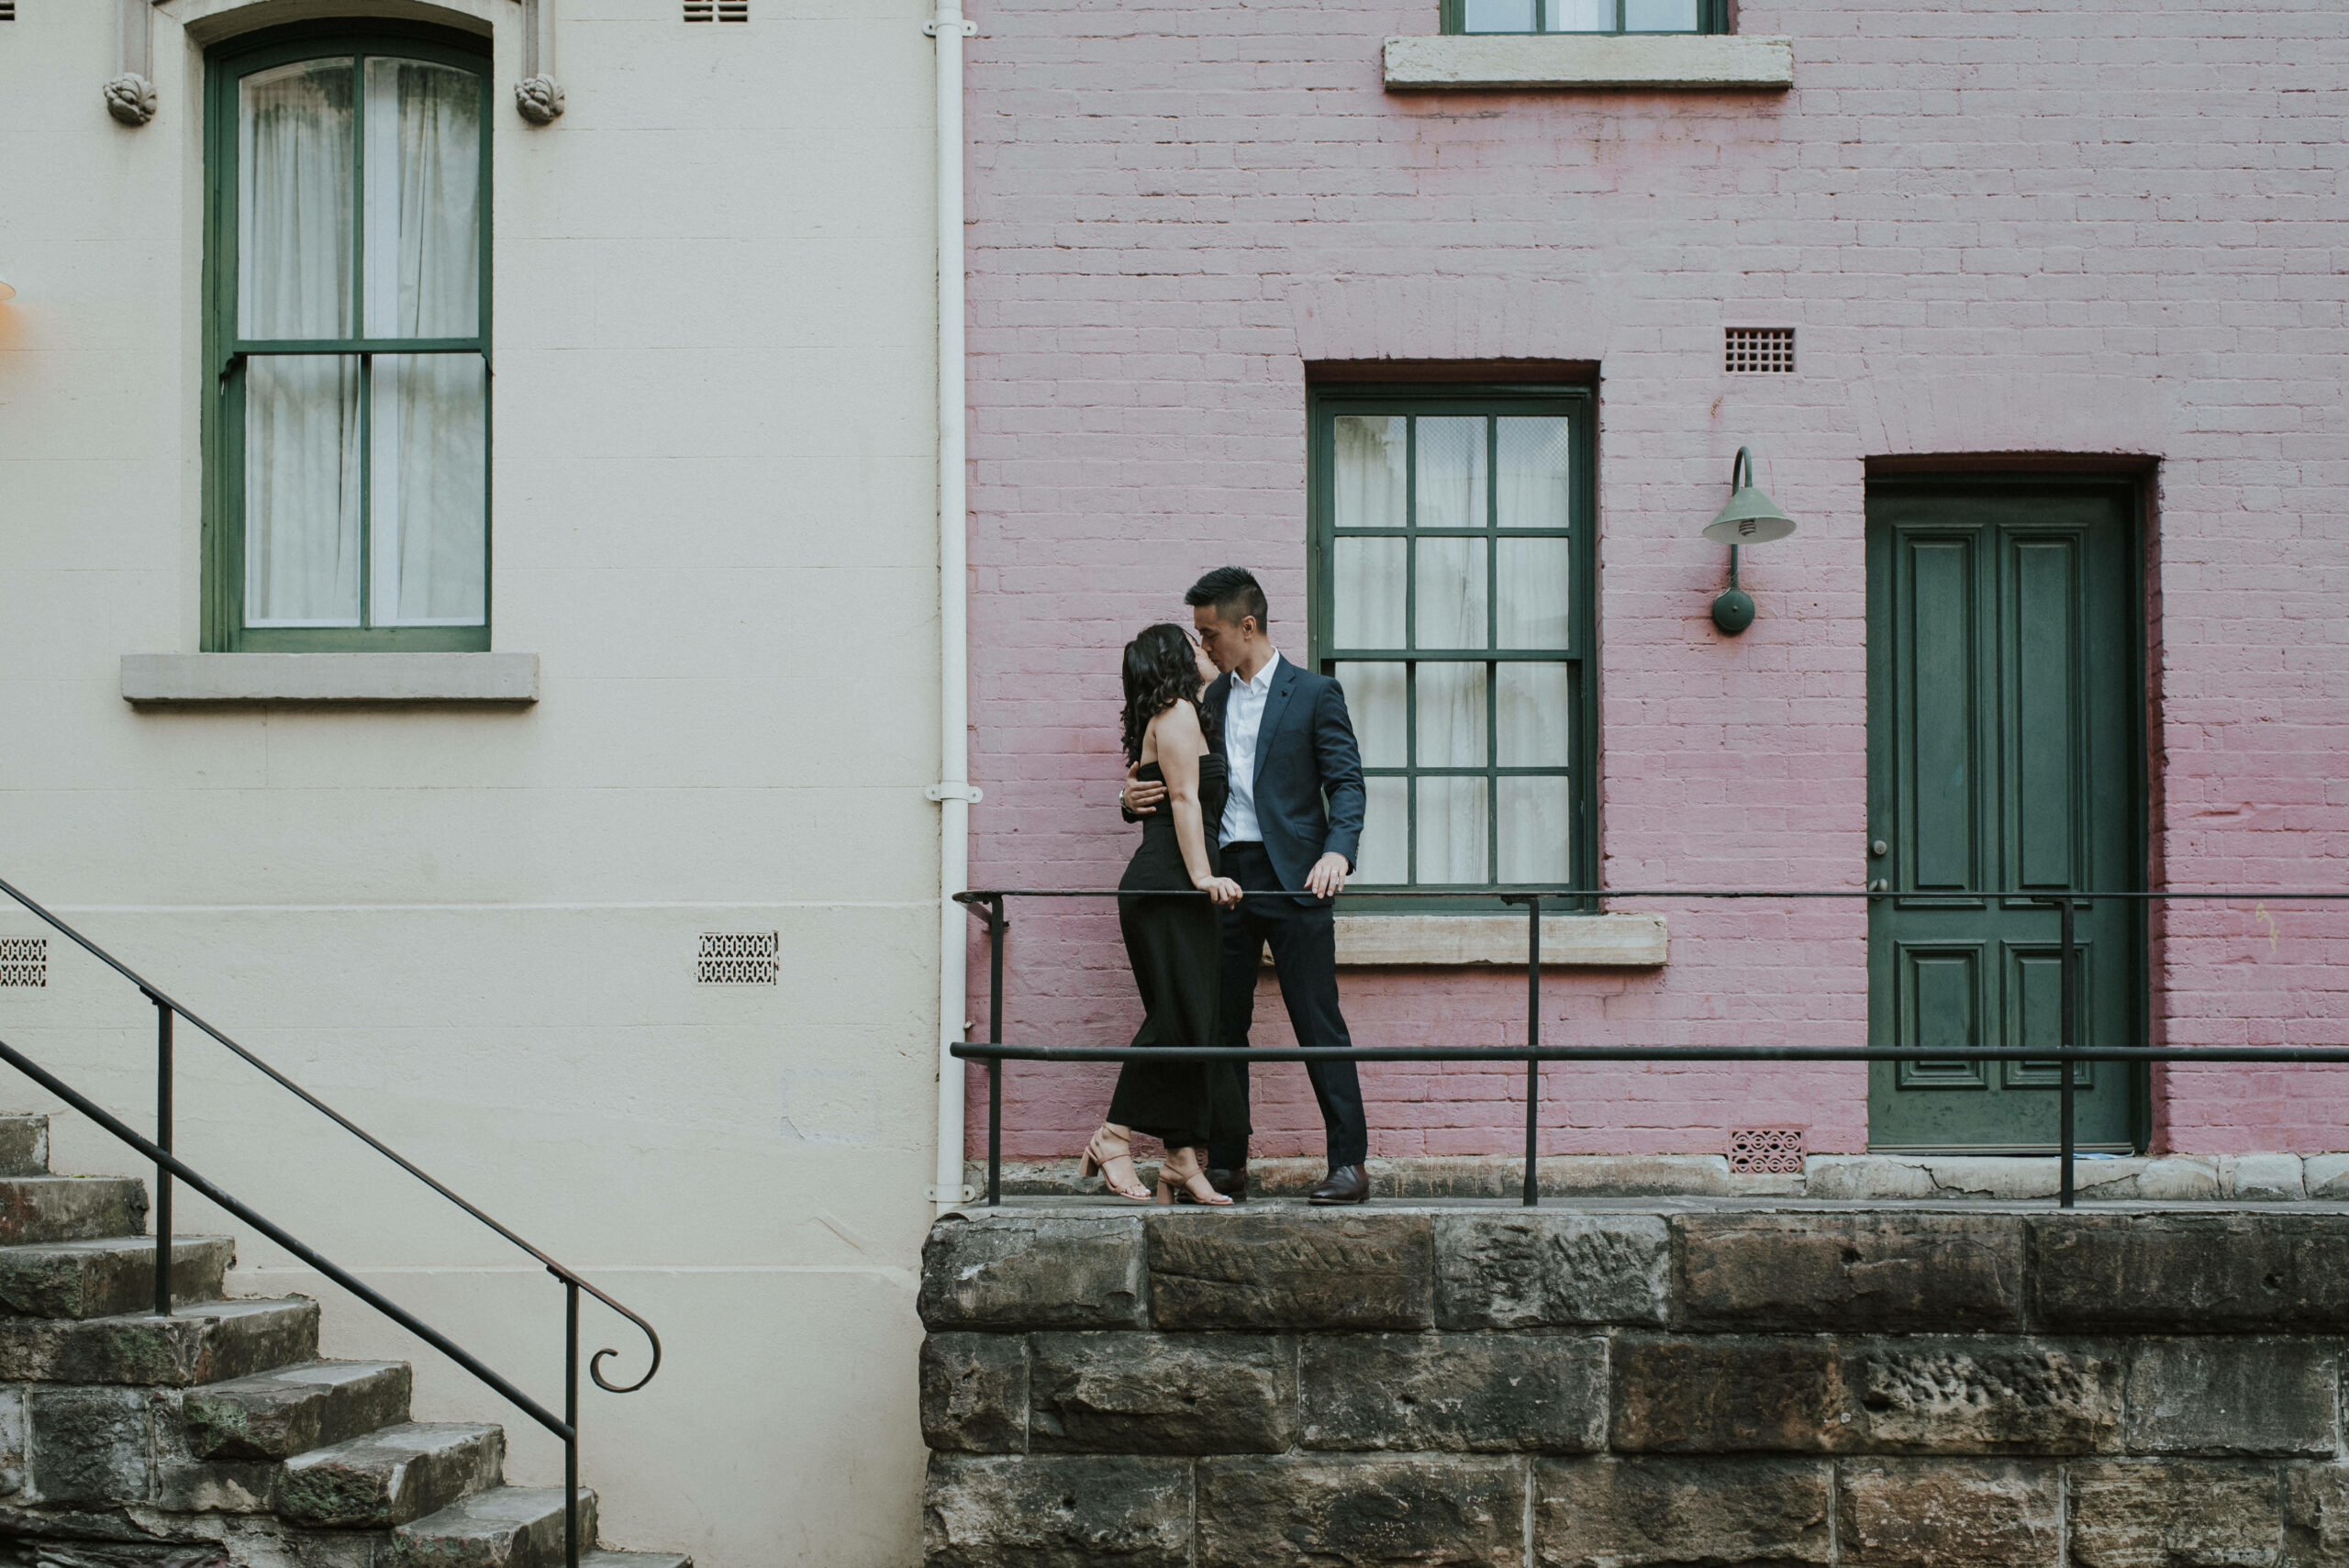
point(1175, 944)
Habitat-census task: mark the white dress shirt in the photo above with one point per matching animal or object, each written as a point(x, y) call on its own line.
point(1243, 717)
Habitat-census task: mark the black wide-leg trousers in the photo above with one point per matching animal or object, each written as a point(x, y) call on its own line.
point(1304, 939)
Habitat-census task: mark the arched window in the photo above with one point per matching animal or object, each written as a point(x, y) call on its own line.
point(347, 272)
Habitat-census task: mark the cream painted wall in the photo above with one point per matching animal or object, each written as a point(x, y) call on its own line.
point(474, 930)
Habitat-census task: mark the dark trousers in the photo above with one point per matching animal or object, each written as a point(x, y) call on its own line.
point(1305, 957)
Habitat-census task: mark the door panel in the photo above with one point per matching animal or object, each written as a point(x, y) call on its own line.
point(2004, 716)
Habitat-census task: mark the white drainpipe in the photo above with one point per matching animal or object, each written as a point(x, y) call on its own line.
point(954, 792)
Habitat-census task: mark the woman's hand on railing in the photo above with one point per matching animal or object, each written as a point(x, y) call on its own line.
point(1221, 889)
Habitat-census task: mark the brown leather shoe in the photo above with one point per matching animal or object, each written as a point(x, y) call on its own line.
point(1345, 1184)
point(1232, 1184)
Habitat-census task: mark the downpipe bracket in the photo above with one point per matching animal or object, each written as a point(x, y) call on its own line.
point(968, 29)
point(969, 795)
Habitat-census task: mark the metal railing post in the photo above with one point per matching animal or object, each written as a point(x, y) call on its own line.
point(996, 924)
point(571, 1419)
point(1532, 1044)
point(2069, 1003)
point(163, 1076)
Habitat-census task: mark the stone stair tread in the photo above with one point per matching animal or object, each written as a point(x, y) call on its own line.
point(391, 1475)
point(276, 1415)
point(69, 1208)
point(507, 1527)
point(213, 1341)
point(107, 1276)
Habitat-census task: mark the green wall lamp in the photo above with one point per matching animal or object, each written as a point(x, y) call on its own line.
point(1751, 517)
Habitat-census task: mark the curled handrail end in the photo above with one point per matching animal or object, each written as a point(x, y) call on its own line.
point(596, 1367)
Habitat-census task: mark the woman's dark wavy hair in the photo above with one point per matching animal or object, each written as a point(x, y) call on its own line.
point(1161, 670)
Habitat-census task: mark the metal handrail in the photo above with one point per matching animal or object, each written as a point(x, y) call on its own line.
point(168, 1165)
point(988, 905)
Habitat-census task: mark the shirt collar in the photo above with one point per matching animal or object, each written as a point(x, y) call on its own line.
point(1263, 681)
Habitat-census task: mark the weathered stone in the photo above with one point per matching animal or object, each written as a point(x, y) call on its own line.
point(2262, 1178)
point(1729, 1393)
point(1934, 1272)
point(1483, 1393)
point(2009, 1178)
point(1162, 1394)
point(1983, 1396)
point(69, 1208)
point(1319, 1270)
point(1458, 1512)
point(506, 1527)
point(209, 1343)
point(1668, 1512)
point(392, 1477)
point(974, 1392)
point(1529, 1270)
point(1056, 1511)
point(108, 1277)
point(2316, 1515)
point(91, 1445)
point(23, 1146)
point(13, 1449)
point(1032, 1271)
point(2326, 1177)
point(2217, 1271)
point(1935, 1513)
point(278, 1414)
point(2230, 1396)
point(2152, 1513)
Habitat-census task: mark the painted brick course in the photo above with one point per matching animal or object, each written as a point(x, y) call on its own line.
point(1998, 227)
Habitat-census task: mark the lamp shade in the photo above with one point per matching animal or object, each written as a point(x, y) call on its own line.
point(1751, 516)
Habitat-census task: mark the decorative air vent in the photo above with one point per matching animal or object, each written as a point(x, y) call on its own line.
point(1758, 349)
point(1765, 1150)
point(737, 958)
point(7, 10)
point(24, 961)
point(700, 10)
point(717, 10)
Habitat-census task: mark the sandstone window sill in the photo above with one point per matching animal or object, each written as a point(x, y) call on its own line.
point(1566, 62)
point(1611, 941)
point(170, 680)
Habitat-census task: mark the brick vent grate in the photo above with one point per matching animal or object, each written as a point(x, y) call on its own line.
point(1747, 348)
point(7, 10)
point(737, 958)
point(717, 10)
point(1765, 1150)
point(24, 961)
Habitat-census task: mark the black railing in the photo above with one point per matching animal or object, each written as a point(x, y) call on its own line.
point(168, 1166)
point(988, 905)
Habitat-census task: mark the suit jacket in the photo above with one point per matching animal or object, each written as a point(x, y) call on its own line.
point(1308, 788)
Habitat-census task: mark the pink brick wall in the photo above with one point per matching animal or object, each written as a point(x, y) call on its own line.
point(2062, 227)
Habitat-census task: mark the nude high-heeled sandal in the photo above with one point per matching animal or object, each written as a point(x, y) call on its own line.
point(1185, 1168)
point(1104, 1152)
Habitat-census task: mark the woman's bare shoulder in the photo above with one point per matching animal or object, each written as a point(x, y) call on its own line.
point(1178, 720)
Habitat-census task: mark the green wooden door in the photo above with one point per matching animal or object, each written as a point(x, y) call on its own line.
point(2005, 695)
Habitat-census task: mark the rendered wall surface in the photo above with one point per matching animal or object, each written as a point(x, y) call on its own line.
point(1996, 228)
point(474, 928)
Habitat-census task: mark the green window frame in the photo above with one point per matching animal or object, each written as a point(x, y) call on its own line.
point(1533, 681)
point(1585, 17)
point(230, 357)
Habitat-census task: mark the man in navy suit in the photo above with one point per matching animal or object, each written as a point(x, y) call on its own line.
point(1290, 829)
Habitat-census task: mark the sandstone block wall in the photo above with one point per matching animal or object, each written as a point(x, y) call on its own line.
point(1636, 1389)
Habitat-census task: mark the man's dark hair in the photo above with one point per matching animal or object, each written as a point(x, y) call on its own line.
point(1235, 594)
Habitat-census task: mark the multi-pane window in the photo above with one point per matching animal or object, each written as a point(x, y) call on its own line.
point(1451, 600)
point(349, 338)
point(1585, 15)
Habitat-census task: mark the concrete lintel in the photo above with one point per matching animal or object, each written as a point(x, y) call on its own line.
point(155, 679)
point(1511, 60)
point(1620, 942)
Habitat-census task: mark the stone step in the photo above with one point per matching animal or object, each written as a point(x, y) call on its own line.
point(70, 1208)
point(511, 1527)
point(277, 1415)
point(213, 1342)
point(633, 1560)
point(109, 1276)
point(23, 1146)
point(392, 1477)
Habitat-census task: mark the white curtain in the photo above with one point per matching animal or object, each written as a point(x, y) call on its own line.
point(429, 476)
point(1470, 713)
point(293, 212)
